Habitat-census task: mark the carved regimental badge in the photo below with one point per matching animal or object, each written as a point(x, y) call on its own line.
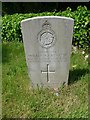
point(46, 36)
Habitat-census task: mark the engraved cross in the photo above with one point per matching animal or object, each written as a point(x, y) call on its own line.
point(47, 72)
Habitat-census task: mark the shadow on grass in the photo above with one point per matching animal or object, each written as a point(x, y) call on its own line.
point(0, 53)
point(5, 53)
point(76, 75)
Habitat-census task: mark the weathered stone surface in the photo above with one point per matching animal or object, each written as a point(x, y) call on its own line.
point(47, 44)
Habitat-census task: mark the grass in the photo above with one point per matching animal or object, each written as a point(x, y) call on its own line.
point(0, 81)
point(19, 100)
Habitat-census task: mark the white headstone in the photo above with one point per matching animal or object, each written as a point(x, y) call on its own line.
point(47, 44)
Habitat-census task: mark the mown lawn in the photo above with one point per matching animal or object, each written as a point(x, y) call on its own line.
point(20, 101)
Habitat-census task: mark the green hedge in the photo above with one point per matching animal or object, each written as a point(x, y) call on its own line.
point(11, 29)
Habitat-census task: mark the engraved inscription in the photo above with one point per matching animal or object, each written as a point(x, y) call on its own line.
point(44, 57)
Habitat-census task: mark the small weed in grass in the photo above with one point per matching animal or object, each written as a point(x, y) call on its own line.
point(19, 101)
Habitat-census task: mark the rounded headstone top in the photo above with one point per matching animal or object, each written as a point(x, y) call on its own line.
point(48, 17)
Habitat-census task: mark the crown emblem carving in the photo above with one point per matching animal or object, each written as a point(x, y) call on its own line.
point(46, 25)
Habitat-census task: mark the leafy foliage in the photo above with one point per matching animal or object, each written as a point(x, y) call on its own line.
point(11, 29)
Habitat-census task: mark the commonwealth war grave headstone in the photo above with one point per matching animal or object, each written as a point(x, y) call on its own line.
point(47, 44)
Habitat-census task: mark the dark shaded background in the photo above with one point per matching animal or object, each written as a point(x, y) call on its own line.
point(36, 7)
